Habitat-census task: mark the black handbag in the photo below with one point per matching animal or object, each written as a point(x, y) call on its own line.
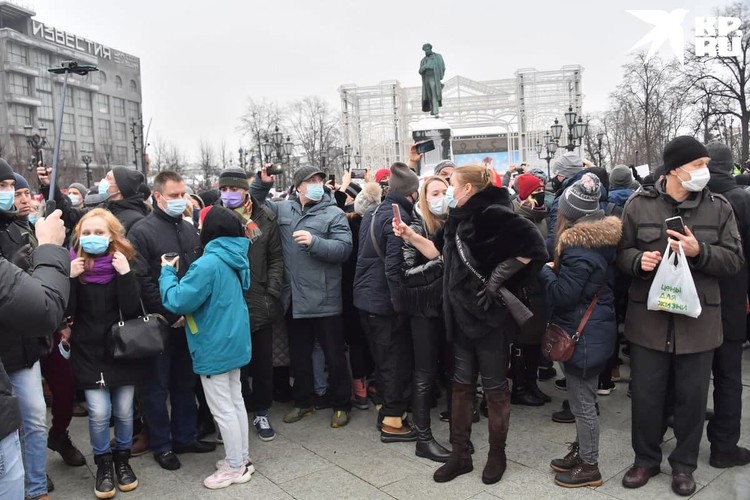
point(138, 338)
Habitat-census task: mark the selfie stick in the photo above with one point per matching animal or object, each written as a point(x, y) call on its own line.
point(66, 68)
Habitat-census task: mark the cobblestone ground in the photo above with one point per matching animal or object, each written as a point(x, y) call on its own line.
point(309, 460)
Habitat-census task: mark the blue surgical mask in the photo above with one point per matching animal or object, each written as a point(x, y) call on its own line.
point(75, 200)
point(6, 200)
point(33, 218)
point(175, 208)
point(104, 189)
point(94, 244)
point(314, 192)
point(449, 198)
point(438, 206)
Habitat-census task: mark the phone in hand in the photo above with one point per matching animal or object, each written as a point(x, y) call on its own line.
point(423, 147)
point(396, 213)
point(332, 178)
point(675, 224)
point(358, 173)
point(274, 170)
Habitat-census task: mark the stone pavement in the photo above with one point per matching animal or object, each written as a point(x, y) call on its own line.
point(309, 460)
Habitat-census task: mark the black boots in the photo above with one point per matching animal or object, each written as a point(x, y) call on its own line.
point(126, 479)
point(105, 476)
point(462, 406)
point(531, 356)
point(522, 388)
point(62, 444)
point(427, 447)
point(498, 403)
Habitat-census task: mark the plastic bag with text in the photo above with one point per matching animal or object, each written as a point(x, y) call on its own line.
point(673, 288)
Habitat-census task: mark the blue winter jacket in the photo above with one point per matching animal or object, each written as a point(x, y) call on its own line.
point(586, 265)
point(620, 196)
point(210, 297)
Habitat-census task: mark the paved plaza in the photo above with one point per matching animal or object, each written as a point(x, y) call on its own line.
point(309, 460)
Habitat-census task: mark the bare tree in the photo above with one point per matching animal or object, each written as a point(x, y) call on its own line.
point(167, 156)
point(207, 162)
point(225, 157)
point(258, 123)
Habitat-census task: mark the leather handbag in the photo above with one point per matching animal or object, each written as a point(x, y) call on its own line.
point(557, 344)
point(138, 338)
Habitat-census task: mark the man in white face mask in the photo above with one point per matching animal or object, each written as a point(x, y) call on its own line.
point(662, 342)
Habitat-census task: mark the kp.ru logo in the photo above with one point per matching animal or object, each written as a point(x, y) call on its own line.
point(713, 35)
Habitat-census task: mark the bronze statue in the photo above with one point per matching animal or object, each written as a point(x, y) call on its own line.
point(432, 69)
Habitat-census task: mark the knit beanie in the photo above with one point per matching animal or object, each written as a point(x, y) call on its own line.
point(381, 174)
point(621, 177)
point(580, 199)
point(721, 157)
point(368, 197)
point(403, 180)
point(233, 177)
point(353, 189)
point(444, 164)
point(128, 181)
point(21, 182)
point(80, 187)
point(682, 150)
point(218, 221)
point(568, 165)
point(209, 197)
point(6, 173)
point(527, 184)
point(305, 173)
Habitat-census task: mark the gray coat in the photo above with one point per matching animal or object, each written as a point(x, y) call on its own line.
point(709, 216)
point(312, 275)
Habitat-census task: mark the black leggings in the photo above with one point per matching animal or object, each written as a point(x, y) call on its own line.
point(472, 358)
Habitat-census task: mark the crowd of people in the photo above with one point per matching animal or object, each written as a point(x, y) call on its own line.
point(387, 293)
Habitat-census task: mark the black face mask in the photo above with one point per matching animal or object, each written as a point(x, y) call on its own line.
point(556, 183)
point(539, 199)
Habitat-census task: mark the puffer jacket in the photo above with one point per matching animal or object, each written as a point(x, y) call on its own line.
point(422, 278)
point(711, 219)
point(587, 253)
point(312, 274)
point(210, 296)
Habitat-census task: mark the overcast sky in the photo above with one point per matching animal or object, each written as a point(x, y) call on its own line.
point(200, 61)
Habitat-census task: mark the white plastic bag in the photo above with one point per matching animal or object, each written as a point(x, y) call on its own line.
point(673, 288)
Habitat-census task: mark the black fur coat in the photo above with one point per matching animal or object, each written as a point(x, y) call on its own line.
point(491, 232)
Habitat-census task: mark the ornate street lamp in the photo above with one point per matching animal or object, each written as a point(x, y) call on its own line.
point(37, 142)
point(576, 129)
point(599, 138)
point(86, 159)
point(550, 144)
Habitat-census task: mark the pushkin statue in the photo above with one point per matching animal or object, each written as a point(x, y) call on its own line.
point(432, 69)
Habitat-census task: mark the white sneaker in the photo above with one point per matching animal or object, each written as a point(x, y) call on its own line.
point(222, 464)
point(227, 476)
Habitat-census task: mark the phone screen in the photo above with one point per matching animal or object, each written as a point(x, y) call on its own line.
point(425, 146)
point(675, 224)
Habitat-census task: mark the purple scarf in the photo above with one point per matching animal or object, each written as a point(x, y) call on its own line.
point(101, 273)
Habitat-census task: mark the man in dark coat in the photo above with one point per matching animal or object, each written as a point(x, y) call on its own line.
point(378, 295)
point(724, 428)
point(121, 191)
point(29, 304)
point(171, 373)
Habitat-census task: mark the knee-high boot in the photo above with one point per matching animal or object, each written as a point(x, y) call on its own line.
point(460, 459)
point(531, 355)
point(498, 403)
point(427, 447)
point(521, 395)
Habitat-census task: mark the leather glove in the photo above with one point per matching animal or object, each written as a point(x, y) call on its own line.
point(489, 295)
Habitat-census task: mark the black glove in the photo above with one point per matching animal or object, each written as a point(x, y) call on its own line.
point(22, 257)
point(489, 295)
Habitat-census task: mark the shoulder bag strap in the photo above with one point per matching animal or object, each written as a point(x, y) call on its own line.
point(586, 316)
point(465, 259)
point(375, 243)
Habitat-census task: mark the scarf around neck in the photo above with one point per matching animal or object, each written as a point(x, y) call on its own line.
point(101, 273)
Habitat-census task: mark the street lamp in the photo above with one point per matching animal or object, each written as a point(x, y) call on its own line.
point(37, 142)
point(243, 157)
point(599, 138)
point(347, 156)
point(357, 159)
point(576, 129)
point(86, 159)
point(550, 144)
point(277, 146)
point(323, 158)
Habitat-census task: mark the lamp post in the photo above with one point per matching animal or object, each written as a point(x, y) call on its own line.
point(37, 142)
point(86, 159)
point(323, 158)
point(550, 145)
point(576, 129)
point(278, 149)
point(242, 153)
point(347, 156)
point(357, 159)
point(599, 138)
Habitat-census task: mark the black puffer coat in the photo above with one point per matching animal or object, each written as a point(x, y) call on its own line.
point(491, 232)
point(422, 278)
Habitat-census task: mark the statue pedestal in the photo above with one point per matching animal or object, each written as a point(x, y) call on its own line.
point(440, 132)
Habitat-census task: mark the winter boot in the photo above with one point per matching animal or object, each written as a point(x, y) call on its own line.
point(498, 402)
point(461, 414)
point(531, 355)
point(568, 461)
point(126, 479)
point(105, 476)
point(521, 395)
point(62, 444)
point(582, 474)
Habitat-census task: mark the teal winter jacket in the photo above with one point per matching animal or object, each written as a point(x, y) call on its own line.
point(210, 297)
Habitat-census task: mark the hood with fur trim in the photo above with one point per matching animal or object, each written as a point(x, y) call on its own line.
point(599, 233)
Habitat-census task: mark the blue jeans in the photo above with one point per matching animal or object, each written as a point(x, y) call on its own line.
point(11, 467)
point(171, 376)
point(27, 386)
point(104, 403)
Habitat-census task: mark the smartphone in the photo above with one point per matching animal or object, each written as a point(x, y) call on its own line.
point(170, 256)
point(675, 224)
point(423, 147)
point(358, 173)
point(396, 213)
point(274, 170)
point(332, 178)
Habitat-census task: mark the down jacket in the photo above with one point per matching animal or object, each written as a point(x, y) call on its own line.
point(422, 278)
point(587, 253)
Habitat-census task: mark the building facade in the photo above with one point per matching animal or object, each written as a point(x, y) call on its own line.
point(102, 109)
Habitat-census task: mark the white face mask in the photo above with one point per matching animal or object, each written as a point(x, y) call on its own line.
point(438, 206)
point(698, 179)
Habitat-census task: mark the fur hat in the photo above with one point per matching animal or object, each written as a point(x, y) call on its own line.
point(368, 197)
point(233, 177)
point(527, 184)
point(580, 199)
point(403, 180)
point(128, 181)
point(682, 150)
point(568, 165)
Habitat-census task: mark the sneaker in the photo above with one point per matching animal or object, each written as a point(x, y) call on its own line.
point(605, 388)
point(222, 464)
point(616, 374)
point(263, 426)
point(561, 384)
point(321, 402)
point(546, 373)
point(298, 414)
point(339, 419)
point(360, 402)
point(227, 476)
